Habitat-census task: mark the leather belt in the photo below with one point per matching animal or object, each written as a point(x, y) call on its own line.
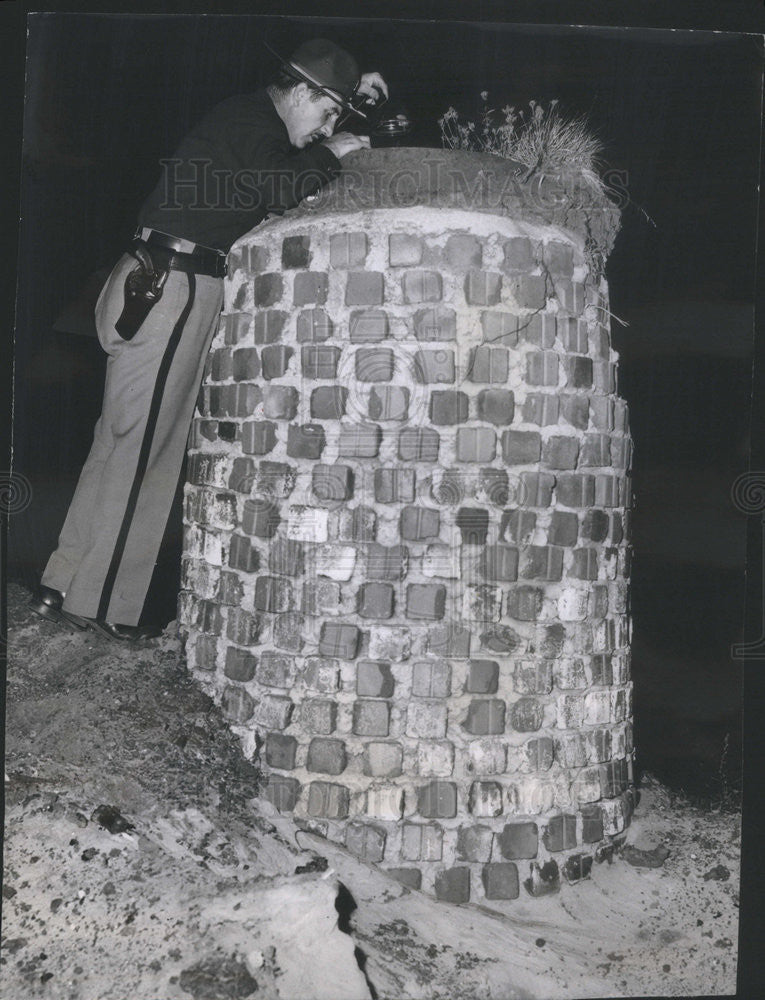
point(166, 256)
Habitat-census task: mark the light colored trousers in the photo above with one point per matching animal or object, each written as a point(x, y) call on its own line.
point(112, 534)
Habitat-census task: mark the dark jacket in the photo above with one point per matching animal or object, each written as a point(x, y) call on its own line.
point(234, 168)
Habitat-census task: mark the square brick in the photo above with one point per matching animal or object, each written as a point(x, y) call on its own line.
point(313, 326)
point(494, 487)
point(518, 840)
point(437, 800)
point(538, 329)
point(579, 371)
point(448, 407)
point(375, 600)
point(285, 557)
point(542, 368)
point(283, 792)
point(483, 288)
point(273, 712)
point(382, 760)
point(359, 440)
point(242, 555)
point(563, 529)
point(328, 402)
point(373, 677)
point(417, 523)
point(476, 444)
point(240, 665)
point(327, 756)
point(500, 562)
point(245, 364)
point(425, 601)
point(422, 286)
point(560, 833)
point(394, 485)
point(497, 406)
point(268, 325)
point(541, 408)
point(499, 328)
point(482, 603)
point(260, 517)
point(526, 715)
point(518, 254)
point(332, 482)
point(521, 447)
point(368, 326)
point(347, 249)
point(339, 640)
point(364, 288)
point(529, 291)
point(319, 715)
point(435, 758)
point(305, 441)
point(473, 523)
point(485, 799)
point(389, 402)
point(328, 800)
point(453, 885)
point(296, 252)
point(500, 880)
point(319, 361)
point(421, 842)
point(517, 525)
point(431, 679)
point(482, 677)
point(575, 490)
point(474, 843)
point(280, 751)
point(276, 669)
point(321, 597)
point(418, 444)
point(530, 677)
point(307, 524)
point(485, 717)
point(267, 289)
point(404, 250)
point(310, 286)
point(258, 436)
point(387, 562)
point(561, 452)
point(489, 364)
point(575, 410)
point(371, 718)
point(366, 841)
point(374, 364)
point(542, 562)
point(449, 640)
point(280, 402)
point(436, 324)
point(434, 366)
point(463, 251)
point(426, 719)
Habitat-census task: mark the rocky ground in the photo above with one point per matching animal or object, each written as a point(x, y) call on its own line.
point(140, 863)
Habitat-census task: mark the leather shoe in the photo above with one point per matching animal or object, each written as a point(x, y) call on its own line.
point(117, 633)
point(47, 604)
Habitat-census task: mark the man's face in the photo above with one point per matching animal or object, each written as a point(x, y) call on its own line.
point(310, 120)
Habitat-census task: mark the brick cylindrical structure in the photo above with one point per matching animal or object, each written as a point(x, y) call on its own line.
point(406, 547)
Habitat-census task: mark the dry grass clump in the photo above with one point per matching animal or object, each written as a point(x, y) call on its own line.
point(542, 139)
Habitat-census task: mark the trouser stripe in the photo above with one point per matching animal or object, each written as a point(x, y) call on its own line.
point(143, 455)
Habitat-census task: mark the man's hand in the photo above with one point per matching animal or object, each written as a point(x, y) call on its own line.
point(345, 142)
point(372, 85)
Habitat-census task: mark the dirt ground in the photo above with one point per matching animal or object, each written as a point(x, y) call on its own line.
point(189, 886)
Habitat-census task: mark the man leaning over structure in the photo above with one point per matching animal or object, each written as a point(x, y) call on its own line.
point(252, 155)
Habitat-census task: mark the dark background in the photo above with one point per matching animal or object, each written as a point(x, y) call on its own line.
point(678, 111)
